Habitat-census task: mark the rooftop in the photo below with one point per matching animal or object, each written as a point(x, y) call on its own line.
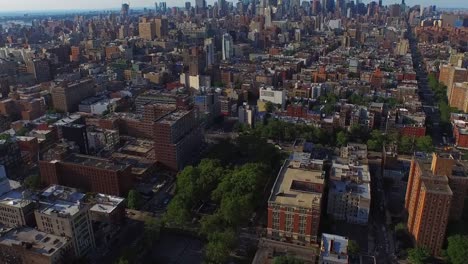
point(91, 161)
point(298, 186)
point(33, 240)
point(173, 117)
point(334, 248)
point(61, 200)
point(106, 203)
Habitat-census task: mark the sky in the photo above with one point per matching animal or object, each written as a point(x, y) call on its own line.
point(44, 5)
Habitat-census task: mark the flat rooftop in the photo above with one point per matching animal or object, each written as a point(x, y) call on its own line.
point(173, 117)
point(61, 200)
point(15, 199)
point(334, 248)
point(436, 188)
point(91, 161)
point(106, 203)
point(298, 186)
point(39, 242)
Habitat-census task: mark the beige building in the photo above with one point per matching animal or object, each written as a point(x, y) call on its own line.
point(459, 96)
point(67, 96)
point(62, 212)
point(147, 29)
point(15, 209)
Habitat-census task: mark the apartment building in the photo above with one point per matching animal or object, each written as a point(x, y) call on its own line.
point(349, 196)
point(88, 173)
point(28, 245)
point(436, 192)
point(62, 212)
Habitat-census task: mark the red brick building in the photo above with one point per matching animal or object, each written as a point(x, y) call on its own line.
point(413, 131)
point(88, 173)
point(295, 203)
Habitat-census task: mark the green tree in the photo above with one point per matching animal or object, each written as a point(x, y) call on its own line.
point(457, 249)
point(134, 199)
point(418, 255)
point(400, 227)
point(287, 259)
point(353, 247)
point(405, 145)
point(269, 107)
point(425, 144)
point(341, 139)
point(122, 260)
point(219, 246)
point(33, 182)
point(178, 213)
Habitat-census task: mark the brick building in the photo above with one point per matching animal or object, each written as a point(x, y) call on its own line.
point(177, 138)
point(295, 203)
point(88, 173)
point(435, 193)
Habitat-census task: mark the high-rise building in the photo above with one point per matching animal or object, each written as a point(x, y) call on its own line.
point(88, 173)
point(40, 68)
point(124, 11)
point(200, 6)
point(459, 96)
point(66, 97)
point(295, 202)
point(209, 52)
point(161, 25)
point(435, 193)
point(62, 212)
point(228, 49)
point(147, 29)
point(177, 138)
point(450, 74)
point(4, 85)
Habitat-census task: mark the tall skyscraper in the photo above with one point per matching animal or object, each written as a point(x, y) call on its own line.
point(210, 52)
point(161, 25)
point(200, 6)
point(227, 46)
point(124, 11)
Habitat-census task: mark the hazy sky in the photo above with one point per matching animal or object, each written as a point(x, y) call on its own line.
point(20, 5)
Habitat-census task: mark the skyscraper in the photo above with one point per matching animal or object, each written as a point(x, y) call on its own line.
point(124, 11)
point(210, 52)
point(147, 29)
point(200, 6)
point(227, 46)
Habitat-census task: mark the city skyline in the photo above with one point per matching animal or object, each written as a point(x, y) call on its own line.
point(33, 5)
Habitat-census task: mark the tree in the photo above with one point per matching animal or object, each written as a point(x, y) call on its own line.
point(134, 199)
point(341, 139)
point(269, 107)
point(122, 260)
point(33, 182)
point(219, 246)
point(178, 213)
point(457, 249)
point(353, 247)
point(287, 259)
point(425, 144)
point(405, 145)
point(418, 255)
point(400, 227)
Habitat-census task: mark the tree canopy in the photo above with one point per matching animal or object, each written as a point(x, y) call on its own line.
point(418, 255)
point(457, 249)
point(134, 199)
